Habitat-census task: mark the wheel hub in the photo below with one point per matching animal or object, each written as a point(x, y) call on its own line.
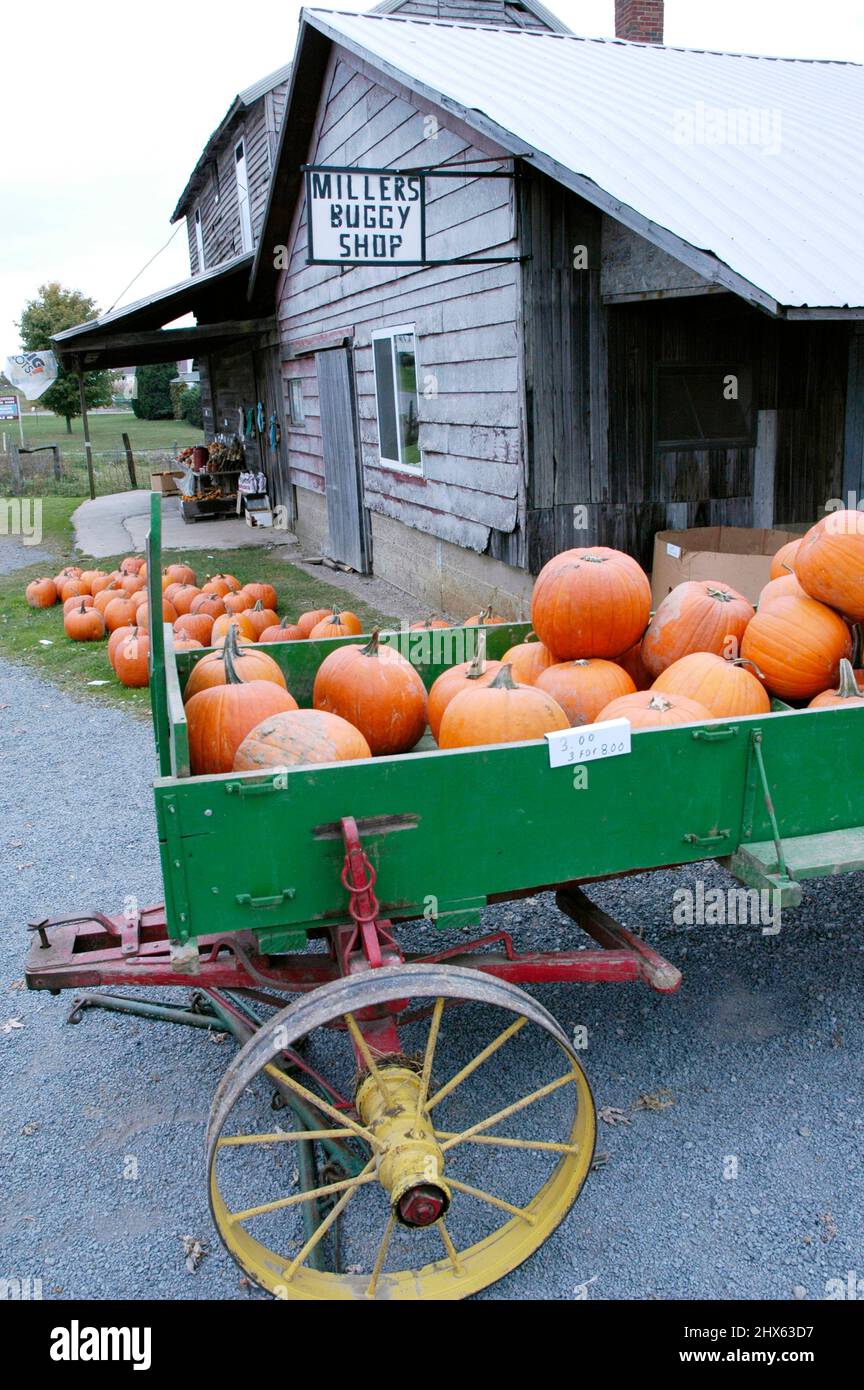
point(410, 1164)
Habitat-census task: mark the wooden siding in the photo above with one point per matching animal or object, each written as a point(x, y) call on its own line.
point(465, 320)
point(258, 128)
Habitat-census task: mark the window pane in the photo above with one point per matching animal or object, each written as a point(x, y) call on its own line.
point(406, 385)
point(698, 405)
point(387, 427)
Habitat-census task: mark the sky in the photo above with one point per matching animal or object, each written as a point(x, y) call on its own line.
point(104, 110)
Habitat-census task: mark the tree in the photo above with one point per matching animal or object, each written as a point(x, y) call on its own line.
point(152, 399)
point(54, 309)
point(193, 413)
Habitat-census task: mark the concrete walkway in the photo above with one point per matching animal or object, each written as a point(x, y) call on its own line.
point(110, 525)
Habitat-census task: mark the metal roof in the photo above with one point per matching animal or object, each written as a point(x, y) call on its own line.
point(776, 215)
point(533, 7)
point(241, 102)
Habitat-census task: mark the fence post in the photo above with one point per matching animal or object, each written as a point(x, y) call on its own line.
point(15, 462)
point(58, 472)
point(130, 461)
point(88, 447)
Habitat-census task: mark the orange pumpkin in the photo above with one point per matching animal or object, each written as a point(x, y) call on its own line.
point(236, 602)
point(131, 564)
point(98, 581)
point(285, 631)
point(239, 621)
point(651, 709)
point(725, 687)
point(776, 588)
point(631, 661)
point(132, 584)
point(187, 644)
point(219, 718)
point(337, 625)
point(84, 624)
point(182, 596)
point(41, 593)
point(265, 593)
point(848, 692)
point(119, 613)
point(307, 621)
point(68, 572)
point(298, 737)
point(197, 626)
point(230, 580)
point(117, 638)
point(108, 595)
point(249, 664)
point(485, 618)
point(456, 679)
point(259, 618)
point(75, 601)
point(592, 602)
point(89, 577)
point(70, 588)
point(179, 574)
point(377, 691)
point(142, 614)
point(798, 645)
point(582, 688)
point(217, 586)
point(829, 564)
point(697, 616)
point(528, 661)
point(784, 560)
point(213, 604)
point(500, 712)
point(427, 624)
point(131, 661)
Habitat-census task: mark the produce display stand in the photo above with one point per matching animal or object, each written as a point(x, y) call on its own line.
point(295, 883)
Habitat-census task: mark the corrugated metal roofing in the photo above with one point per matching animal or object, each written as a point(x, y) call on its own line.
point(264, 85)
point(635, 128)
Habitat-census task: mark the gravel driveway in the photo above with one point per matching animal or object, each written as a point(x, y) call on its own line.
point(760, 1056)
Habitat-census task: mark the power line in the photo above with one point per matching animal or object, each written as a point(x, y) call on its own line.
point(144, 267)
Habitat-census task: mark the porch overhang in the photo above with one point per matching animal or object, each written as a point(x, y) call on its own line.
point(135, 335)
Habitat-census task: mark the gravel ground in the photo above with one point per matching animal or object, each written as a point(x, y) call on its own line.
point(760, 1054)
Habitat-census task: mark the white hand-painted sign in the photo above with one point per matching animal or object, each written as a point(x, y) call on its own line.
point(365, 216)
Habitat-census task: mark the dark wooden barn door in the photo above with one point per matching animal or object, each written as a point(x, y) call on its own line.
point(346, 515)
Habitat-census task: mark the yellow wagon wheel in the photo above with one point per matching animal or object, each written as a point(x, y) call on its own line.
point(464, 1157)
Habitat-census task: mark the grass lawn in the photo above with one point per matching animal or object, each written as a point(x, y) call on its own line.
point(106, 429)
point(74, 665)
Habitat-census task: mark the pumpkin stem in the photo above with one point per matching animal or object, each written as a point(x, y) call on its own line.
point(478, 665)
point(504, 679)
point(83, 608)
point(745, 661)
point(848, 688)
point(258, 607)
point(659, 702)
point(371, 648)
point(230, 652)
point(722, 595)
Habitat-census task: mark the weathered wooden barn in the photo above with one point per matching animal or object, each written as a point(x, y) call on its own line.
point(652, 320)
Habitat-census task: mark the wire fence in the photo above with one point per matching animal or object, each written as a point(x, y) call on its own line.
point(48, 472)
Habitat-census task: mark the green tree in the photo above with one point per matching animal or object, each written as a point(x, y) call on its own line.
point(54, 309)
point(193, 413)
point(152, 399)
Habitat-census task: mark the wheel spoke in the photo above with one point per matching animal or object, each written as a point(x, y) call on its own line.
point(336, 1211)
point(284, 1079)
point(429, 1056)
point(363, 1048)
point(296, 1198)
point(281, 1137)
point(381, 1256)
point(450, 1248)
point(509, 1110)
point(491, 1201)
point(476, 1062)
point(543, 1145)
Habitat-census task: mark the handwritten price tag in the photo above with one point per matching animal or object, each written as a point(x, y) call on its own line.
point(590, 743)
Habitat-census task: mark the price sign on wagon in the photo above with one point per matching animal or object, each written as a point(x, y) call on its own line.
point(365, 216)
point(589, 743)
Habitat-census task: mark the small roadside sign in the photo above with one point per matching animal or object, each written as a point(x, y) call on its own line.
point(8, 407)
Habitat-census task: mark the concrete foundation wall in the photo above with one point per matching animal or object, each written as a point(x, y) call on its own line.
point(444, 578)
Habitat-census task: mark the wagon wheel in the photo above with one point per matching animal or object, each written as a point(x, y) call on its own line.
point(461, 1161)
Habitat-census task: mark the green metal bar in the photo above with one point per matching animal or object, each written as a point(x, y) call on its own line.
point(143, 1008)
point(769, 804)
point(158, 690)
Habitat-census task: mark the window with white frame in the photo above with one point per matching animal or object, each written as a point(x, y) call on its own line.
point(199, 240)
point(296, 413)
point(243, 195)
point(394, 360)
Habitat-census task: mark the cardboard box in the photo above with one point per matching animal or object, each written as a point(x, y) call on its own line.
point(166, 483)
point(736, 555)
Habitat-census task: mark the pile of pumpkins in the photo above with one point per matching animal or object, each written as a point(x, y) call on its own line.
point(599, 654)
